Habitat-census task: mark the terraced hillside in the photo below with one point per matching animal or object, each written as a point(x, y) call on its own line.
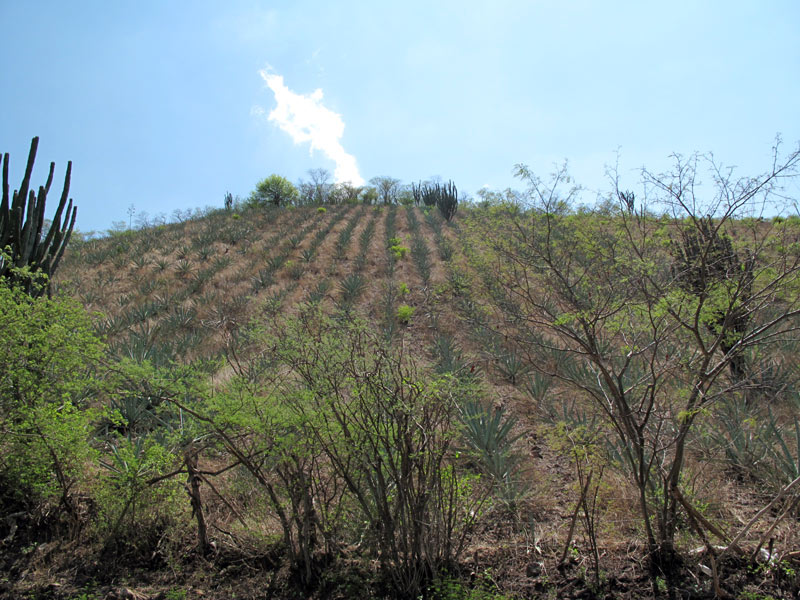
point(326, 400)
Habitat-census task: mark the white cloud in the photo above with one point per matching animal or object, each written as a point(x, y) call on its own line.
point(305, 119)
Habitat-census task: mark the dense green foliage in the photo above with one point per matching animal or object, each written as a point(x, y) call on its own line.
point(273, 190)
point(48, 355)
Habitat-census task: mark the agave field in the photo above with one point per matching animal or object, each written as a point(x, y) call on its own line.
point(515, 399)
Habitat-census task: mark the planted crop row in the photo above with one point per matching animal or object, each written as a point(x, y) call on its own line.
point(343, 240)
point(419, 248)
point(391, 293)
point(363, 243)
point(310, 253)
point(443, 244)
point(487, 430)
point(352, 286)
point(166, 317)
point(505, 358)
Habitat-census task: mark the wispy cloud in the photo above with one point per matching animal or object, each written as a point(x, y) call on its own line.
point(305, 119)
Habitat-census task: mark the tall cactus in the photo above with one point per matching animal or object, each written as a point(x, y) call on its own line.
point(447, 200)
point(416, 191)
point(445, 197)
point(21, 235)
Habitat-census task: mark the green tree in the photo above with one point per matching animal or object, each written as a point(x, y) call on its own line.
point(345, 193)
point(322, 186)
point(388, 188)
point(369, 195)
point(274, 190)
point(647, 318)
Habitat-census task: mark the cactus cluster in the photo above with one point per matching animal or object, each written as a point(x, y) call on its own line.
point(443, 196)
point(22, 223)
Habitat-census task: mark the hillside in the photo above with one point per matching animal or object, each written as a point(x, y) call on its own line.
point(353, 396)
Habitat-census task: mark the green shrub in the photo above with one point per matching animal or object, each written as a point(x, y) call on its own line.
point(399, 251)
point(273, 190)
point(48, 351)
point(404, 313)
point(386, 433)
point(131, 496)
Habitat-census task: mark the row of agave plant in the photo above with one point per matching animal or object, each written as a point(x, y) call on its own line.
point(492, 433)
point(419, 247)
point(353, 285)
point(177, 296)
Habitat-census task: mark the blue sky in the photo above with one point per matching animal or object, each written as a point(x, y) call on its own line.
point(167, 105)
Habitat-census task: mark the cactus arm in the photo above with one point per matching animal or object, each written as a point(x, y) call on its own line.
point(33, 249)
point(5, 216)
point(33, 227)
point(67, 234)
point(24, 237)
point(53, 239)
point(49, 178)
point(26, 180)
point(38, 218)
point(4, 204)
point(57, 218)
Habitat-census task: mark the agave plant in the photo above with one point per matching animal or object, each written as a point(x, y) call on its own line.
point(448, 356)
point(141, 347)
point(316, 295)
point(295, 270)
point(783, 445)
point(308, 253)
point(276, 262)
point(352, 287)
point(140, 261)
point(538, 387)
point(183, 268)
point(490, 438)
point(263, 279)
point(741, 432)
point(90, 297)
point(221, 262)
point(204, 253)
point(182, 318)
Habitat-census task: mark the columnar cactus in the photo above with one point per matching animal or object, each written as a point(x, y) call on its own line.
point(447, 200)
point(444, 197)
point(21, 237)
point(416, 191)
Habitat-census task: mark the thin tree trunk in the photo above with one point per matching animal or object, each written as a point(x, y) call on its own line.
point(193, 489)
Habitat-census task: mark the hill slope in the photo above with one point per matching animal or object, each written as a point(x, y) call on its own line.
point(553, 510)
